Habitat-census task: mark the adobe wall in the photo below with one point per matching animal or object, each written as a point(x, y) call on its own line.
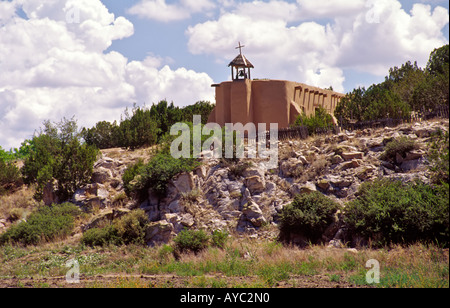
point(268, 101)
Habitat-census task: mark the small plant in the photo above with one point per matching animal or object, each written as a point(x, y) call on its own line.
point(9, 177)
point(128, 229)
point(44, 225)
point(399, 146)
point(191, 240)
point(101, 237)
point(320, 120)
point(191, 197)
point(238, 169)
point(165, 252)
point(439, 157)
point(119, 199)
point(308, 216)
point(219, 238)
point(132, 227)
point(156, 174)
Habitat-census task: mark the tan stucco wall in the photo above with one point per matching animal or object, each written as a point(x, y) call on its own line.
point(268, 101)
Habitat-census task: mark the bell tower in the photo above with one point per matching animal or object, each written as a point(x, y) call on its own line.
point(240, 66)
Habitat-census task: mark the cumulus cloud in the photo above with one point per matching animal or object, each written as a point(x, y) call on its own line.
point(330, 8)
point(159, 10)
point(54, 65)
point(315, 41)
point(303, 53)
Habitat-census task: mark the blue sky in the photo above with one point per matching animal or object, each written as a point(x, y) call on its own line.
point(90, 59)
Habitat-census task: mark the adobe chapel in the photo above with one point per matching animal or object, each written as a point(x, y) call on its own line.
point(244, 100)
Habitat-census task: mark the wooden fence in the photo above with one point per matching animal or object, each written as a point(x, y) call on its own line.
point(439, 112)
point(303, 133)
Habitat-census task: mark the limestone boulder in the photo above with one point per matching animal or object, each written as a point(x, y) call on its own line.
point(354, 163)
point(254, 180)
point(413, 155)
point(337, 159)
point(409, 165)
point(101, 175)
point(255, 184)
point(159, 232)
point(184, 182)
point(323, 184)
point(49, 195)
point(339, 181)
point(352, 155)
point(253, 214)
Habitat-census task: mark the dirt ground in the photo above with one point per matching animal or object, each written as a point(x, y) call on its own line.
point(168, 281)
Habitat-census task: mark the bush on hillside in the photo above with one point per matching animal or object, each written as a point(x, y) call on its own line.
point(391, 212)
point(401, 146)
point(57, 154)
point(219, 238)
point(308, 216)
point(191, 240)
point(128, 229)
point(156, 174)
point(101, 237)
point(320, 120)
point(132, 227)
point(439, 157)
point(9, 177)
point(44, 225)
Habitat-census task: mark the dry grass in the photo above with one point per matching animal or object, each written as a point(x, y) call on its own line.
point(244, 262)
point(21, 203)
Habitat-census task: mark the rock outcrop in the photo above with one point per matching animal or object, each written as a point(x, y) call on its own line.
point(213, 197)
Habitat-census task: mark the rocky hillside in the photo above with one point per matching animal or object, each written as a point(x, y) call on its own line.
point(246, 197)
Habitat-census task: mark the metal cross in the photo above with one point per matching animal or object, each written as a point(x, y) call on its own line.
point(240, 48)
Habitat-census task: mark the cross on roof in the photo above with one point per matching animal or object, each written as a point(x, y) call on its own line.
point(240, 48)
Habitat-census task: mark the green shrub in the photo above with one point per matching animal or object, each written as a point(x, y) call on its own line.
point(439, 157)
point(390, 212)
point(132, 227)
point(58, 154)
point(9, 177)
point(128, 229)
point(130, 174)
point(308, 215)
point(191, 240)
point(237, 167)
point(219, 238)
point(44, 225)
point(101, 237)
point(156, 174)
point(399, 146)
point(321, 119)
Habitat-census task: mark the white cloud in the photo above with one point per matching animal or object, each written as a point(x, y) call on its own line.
point(184, 86)
point(302, 53)
point(272, 10)
point(330, 8)
point(366, 36)
point(396, 38)
point(52, 69)
point(161, 11)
